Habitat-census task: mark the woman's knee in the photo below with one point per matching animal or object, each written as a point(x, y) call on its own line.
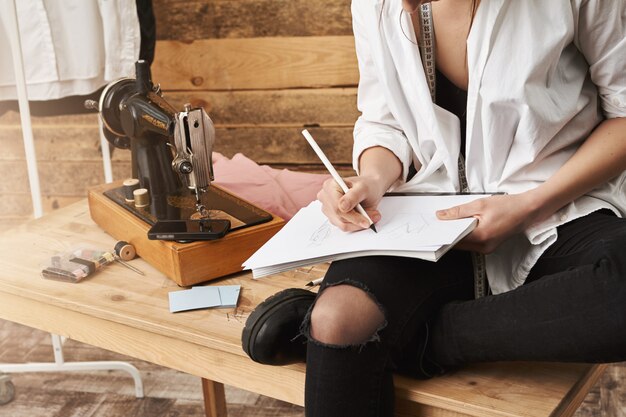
point(345, 315)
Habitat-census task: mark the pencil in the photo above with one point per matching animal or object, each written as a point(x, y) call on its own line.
point(315, 282)
point(335, 174)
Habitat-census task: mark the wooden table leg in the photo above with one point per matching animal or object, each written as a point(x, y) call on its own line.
point(214, 398)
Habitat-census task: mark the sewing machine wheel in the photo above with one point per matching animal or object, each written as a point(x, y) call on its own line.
point(7, 390)
point(112, 95)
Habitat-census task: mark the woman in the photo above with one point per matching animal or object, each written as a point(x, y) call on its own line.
point(540, 90)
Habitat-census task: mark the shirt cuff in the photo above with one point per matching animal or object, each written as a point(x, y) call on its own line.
point(396, 143)
point(614, 105)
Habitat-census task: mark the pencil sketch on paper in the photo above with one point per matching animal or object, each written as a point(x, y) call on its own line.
point(320, 234)
point(404, 225)
point(409, 224)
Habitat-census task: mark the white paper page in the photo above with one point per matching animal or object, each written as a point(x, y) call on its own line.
point(408, 224)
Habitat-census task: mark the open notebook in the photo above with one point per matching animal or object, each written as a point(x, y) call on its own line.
point(409, 227)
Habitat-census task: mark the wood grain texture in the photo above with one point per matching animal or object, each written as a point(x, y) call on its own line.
point(175, 353)
point(256, 63)
point(54, 143)
point(130, 316)
point(179, 394)
point(58, 151)
point(68, 166)
point(612, 391)
point(184, 263)
point(511, 388)
point(184, 20)
point(69, 178)
point(12, 119)
point(297, 107)
point(14, 206)
point(214, 398)
point(572, 402)
point(110, 394)
point(274, 108)
point(276, 146)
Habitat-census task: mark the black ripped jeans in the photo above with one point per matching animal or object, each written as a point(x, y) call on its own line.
point(572, 308)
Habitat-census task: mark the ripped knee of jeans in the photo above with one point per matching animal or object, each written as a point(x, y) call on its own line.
point(345, 314)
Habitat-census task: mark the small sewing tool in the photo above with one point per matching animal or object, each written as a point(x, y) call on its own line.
point(124, 251)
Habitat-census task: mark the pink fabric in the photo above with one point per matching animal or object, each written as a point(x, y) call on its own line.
point(281, 192)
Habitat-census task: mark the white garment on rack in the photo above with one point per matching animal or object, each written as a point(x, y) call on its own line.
point(70, 47)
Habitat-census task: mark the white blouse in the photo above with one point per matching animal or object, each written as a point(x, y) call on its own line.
point(70, 47)
point(542, 75)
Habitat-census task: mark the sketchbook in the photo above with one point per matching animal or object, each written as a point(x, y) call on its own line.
point(409, 227)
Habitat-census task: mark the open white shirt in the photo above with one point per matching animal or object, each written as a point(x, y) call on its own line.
point(542, 75)
point(70, 47)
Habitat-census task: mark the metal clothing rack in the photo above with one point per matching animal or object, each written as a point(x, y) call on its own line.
point(59, 364)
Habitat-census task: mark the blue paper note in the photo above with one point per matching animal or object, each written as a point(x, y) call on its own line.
point(229, 295)
point(195, 298)
point(221, 296)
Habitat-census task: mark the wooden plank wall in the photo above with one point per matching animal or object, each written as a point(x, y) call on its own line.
point(263, 70)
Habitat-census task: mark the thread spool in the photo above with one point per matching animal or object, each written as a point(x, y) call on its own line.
point(141, 197)
point(125, 250)
point(130, 185)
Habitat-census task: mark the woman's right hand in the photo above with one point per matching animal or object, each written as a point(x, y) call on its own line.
point(340, 207)
point(379, 169)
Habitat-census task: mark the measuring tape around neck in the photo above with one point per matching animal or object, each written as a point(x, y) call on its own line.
point(426, 45)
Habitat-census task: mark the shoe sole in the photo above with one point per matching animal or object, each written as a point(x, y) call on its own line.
point(257, 318)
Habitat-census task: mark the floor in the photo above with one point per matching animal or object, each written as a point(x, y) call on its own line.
point(170, 393)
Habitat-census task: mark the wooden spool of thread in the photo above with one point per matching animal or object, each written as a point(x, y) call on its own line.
point(125, 250)
point(130, 185)
point(142, 198)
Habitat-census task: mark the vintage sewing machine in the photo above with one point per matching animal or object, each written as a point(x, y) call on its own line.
point(171, 159)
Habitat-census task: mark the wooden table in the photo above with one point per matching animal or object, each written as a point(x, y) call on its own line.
point(124, 312)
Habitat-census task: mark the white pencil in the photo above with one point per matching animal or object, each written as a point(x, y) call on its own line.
point(334, 174)
point(315, 282)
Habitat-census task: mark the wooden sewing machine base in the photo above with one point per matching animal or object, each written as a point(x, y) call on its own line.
point(184, 263)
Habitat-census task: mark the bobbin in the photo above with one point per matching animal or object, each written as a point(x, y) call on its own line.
point(125, 250)
point(130, 185)
point(141, 197)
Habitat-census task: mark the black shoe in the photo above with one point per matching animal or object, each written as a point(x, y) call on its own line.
point(270, 335)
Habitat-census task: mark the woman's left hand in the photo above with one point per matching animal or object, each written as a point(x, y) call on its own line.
point(499, 217)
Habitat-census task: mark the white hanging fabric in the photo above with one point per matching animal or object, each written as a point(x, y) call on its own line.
point(70, 47)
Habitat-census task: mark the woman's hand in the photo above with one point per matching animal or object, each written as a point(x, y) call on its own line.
point(339, 207)
point(599, 159)
point(499, 217)
point(379, 169)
